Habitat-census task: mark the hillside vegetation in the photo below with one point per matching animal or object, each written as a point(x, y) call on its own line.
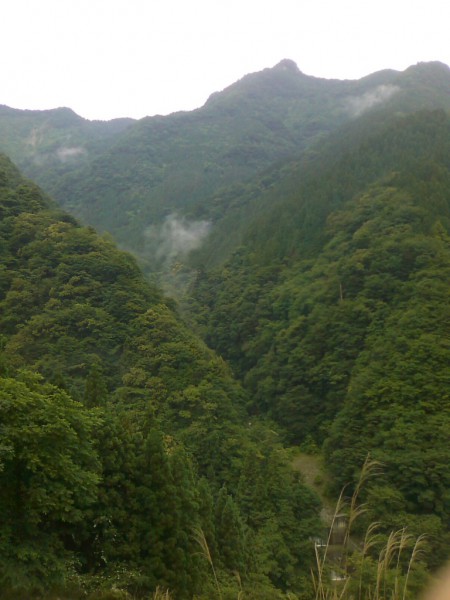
point(122, 435)
point(304, 225)
point(338, 324)
point(50, 143)
point(181, 166)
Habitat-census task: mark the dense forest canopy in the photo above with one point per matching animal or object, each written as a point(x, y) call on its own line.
point(305, 227)
point(121, 433)
point(130, 177)
point(340, 330)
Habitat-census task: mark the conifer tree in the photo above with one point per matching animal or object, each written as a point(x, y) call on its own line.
point(230, 533)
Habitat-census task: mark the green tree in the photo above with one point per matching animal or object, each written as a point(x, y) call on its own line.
point(48, 479)
point(230, 534)
point(95, 391)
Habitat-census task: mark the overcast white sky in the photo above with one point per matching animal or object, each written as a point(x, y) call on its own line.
point(119, 58)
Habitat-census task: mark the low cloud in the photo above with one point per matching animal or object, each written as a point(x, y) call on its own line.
point(66, 153)
point(360, 104)
point(176, 237)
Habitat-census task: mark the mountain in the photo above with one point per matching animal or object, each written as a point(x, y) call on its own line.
point(125, 443)
point(334, 312)
point(48, 143)
point(164, 165)
point(161, 170)
point(317, 216)
point(232, 210)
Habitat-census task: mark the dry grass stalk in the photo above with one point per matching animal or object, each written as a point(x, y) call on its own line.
point(318, 585)
point(370, 540)
point(160, 594)
point(388, 579)
point(417, 550)
point(200, 538)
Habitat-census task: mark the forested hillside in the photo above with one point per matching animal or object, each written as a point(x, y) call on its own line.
point(335, 316)
point(124, 440)
point(309, 223)
point(177, 170)
point(179, 166)
point(251, 208)
point(49, 143)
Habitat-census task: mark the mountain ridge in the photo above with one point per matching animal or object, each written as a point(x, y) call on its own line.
point(327, 310)
point(165, 165)
point(333, 312)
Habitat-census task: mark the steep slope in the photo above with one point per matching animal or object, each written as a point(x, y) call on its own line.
point(143, 181)
point(71, 301)
point(232, 211)
point(167, 167)
point(124, 441)
point(334, 314)
point(357, 156)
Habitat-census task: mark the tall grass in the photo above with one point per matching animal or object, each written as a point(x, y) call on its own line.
point(368, 570)
point(375, 567)
point(200, 538)
point(160, 594)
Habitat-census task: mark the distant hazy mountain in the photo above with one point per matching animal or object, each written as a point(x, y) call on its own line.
point(132, 178)
point(317, 217)
point(48, 143)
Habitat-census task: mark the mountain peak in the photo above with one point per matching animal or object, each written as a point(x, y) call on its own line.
point(287, 65)
point(428, 65)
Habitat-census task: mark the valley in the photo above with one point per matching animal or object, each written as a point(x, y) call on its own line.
point(213, 322)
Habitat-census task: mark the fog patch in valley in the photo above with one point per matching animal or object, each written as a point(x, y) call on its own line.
point(66, 153)
point(176, 237)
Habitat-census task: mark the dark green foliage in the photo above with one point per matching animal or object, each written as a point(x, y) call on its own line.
point(281, 514)
point(147, 509)
point(347, 340)
point(48, 477)
point(95, 391)
point(127, 178)
point(109, 494)
point(333, 313)
point(397, 402)
point(230, 534)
